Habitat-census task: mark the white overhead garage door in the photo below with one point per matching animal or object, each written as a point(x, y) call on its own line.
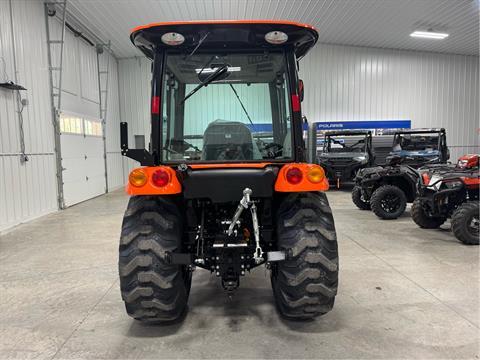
point(82, 158)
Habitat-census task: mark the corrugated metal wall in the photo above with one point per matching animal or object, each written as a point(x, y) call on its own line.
point(115, 172)
point(80, 93)
point(358, 83)
point(29, 190)
point(134, 88)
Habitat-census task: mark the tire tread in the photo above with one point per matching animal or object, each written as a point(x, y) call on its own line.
point(379, 193)
point(459, 218)
point(306, 283)
point(152, 290)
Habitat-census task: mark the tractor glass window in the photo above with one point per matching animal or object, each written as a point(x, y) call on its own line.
point(226, 107)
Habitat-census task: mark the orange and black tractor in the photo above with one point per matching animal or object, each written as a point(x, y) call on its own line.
point(224, 185)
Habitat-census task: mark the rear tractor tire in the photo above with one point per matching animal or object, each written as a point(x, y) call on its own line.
point(305, 284)
point(153, 290)
point(358, 199)
point(388, 202)
point(422, 219)
point(465, 223)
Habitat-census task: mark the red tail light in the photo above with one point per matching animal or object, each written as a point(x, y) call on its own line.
point(295, 102)
point(294, 175)
point(156, 105)
point(160, 178)
point(425, 179)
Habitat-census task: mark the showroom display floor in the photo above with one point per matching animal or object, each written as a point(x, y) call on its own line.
point(404, 293)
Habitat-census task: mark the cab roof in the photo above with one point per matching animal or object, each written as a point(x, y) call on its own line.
point(225, 34)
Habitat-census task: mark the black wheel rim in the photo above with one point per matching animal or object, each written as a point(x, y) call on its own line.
point(390, 203)
point(473, 225)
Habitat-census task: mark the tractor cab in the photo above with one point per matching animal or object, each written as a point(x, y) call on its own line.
point(224, 185)
point(224, 92)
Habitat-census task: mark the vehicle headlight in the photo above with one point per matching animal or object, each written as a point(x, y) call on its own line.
point(361, 159)
point(453, 184)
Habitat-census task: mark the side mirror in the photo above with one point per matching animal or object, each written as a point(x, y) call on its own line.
point(300, 90)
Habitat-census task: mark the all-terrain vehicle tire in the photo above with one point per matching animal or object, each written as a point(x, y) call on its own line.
point(465, 223)
point(305, 284)
point(358, 199)
point(153, 290)
point(388, 202)
point(422, 219)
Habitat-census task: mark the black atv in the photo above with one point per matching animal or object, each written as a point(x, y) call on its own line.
point(453, 194)
point(386, 189)
point(344, 153)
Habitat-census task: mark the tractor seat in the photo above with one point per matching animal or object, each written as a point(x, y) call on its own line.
point(229, 140)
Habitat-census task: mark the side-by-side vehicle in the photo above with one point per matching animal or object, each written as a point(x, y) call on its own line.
point(344, 153)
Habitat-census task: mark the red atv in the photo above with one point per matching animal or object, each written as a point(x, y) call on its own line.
point(450, 193)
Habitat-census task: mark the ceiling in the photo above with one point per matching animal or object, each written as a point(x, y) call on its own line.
point(376, 23)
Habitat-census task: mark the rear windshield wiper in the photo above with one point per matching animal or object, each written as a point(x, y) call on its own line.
point(212, 77)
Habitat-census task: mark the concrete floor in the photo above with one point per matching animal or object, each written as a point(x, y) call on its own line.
point(404, 293)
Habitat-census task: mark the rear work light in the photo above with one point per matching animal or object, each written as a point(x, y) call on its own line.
point(173, 39)
point(276, 37)
point(294, 175)
point(160, 178)
point(138, 178)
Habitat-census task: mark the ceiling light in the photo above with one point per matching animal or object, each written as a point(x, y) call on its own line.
point(429, 35)
point(209, 70)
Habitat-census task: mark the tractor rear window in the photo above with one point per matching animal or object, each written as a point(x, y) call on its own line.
point(226, 107)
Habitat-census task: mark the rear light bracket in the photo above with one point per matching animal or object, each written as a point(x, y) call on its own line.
point(140, 155)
